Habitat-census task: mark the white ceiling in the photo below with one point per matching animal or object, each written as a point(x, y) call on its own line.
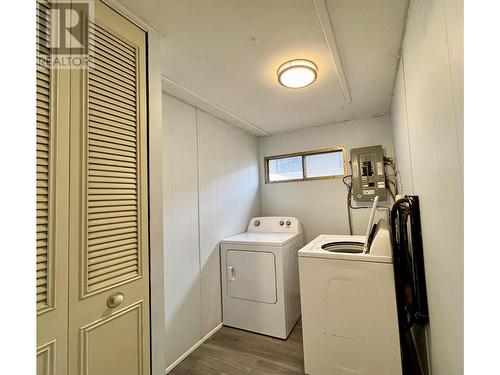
point(222, 55)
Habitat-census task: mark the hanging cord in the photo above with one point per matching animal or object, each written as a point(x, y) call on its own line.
point(391, 180)
point(349, 187)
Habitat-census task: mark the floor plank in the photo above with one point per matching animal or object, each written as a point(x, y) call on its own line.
point(232, 351)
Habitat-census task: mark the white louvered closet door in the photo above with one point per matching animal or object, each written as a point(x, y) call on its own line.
point(108, 265)
point(52, 142)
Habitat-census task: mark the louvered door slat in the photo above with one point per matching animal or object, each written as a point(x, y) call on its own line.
point(112, 166)
point(125, 57)
point(100, 114)
point(109, 67)
point(103, 109)
point(122, 222)
point(40, 274)
point(113, 255)
point(112, 96)
point(98, 120)
point(123, 47)
point(111, 144)
point(43, 155)
point(120, 134)
point(103, 80)
point(102, 52)
point(111, 141)
point(105, 248)
point(111, 209)
point(109, 215)
point(108, 44)
point(110, 239)
point(111, 173)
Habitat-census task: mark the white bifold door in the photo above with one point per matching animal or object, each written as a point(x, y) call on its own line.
point(92, 219)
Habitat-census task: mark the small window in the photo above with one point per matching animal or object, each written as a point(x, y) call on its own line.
point(285, 169)
point(302, 166)
point(324, 165)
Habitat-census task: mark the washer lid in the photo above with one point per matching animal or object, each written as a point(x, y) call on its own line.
point(314, 249)
point(276, 239)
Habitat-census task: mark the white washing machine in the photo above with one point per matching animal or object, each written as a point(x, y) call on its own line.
point(349, 316)
point(260, 276)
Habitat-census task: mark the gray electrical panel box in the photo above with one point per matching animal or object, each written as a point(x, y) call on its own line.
point(368, 173)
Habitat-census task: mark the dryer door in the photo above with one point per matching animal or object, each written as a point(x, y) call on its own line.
point(251, 275)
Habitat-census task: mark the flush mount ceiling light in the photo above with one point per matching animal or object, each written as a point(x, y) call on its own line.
point(296, 74)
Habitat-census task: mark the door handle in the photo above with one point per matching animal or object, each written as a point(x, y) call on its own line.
point(115, 300)
point(231, 273)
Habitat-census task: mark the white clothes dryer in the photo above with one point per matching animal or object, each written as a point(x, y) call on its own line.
point(260, 276)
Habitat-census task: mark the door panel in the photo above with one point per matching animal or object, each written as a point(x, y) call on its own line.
point(45, 359)
point(251, 275)
point(96, 356)
point(108, 203)
point(52, 172)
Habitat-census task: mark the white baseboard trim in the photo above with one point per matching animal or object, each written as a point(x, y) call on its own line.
point(192, 349)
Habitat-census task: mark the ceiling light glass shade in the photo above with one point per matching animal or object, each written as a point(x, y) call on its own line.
point(296, 74)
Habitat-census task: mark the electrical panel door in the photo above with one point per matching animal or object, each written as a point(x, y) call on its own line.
point(368, 173)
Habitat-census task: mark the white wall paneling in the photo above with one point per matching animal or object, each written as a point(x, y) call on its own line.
point(427, 117)
point(228, 190)
point(182, 266)
point(321, 204)
point(211, 190)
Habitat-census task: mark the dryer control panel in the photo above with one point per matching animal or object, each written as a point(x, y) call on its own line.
point(274, 224)
point(368, 173)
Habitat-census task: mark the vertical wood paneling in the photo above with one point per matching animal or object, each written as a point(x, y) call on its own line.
point(182, 266)
point(228, 189)
point(399, 116)
point(454, 18)
point(432, 92)
point(211, 191)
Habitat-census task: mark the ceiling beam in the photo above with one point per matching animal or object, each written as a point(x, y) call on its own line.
point(177, 90)
point(328, 31)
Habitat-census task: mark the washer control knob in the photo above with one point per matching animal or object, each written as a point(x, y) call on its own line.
point(256, 223)
point(282, 223)
point(288, 223)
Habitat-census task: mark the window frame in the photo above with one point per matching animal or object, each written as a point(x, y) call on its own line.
point(303, 154)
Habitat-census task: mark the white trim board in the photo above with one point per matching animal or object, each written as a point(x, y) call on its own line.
point(192, 349)
point(326, 24)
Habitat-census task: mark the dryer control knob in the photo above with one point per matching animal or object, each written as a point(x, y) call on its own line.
point(288, 223)
point(256, 223)
point(282, 223)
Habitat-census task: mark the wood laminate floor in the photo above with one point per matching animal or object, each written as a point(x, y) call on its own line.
point(232, 351)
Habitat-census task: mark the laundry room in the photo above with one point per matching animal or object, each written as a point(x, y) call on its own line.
point(239, 144)
point(251, 187)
